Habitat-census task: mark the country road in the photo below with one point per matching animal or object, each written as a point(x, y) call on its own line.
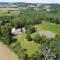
point(6, 53)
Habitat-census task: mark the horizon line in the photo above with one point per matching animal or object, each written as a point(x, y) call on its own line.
point(29, 2)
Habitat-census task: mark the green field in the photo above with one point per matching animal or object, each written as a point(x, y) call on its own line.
point(31, 46)
point(49, 26)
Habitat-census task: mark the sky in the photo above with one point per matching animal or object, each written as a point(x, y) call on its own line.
point(32, 1)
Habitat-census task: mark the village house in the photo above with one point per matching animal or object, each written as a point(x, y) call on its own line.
point(15, 31)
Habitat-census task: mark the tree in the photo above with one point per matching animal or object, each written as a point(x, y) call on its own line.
point(28, 37)
point(39, 39)
point(30, 29)
point(26, 57)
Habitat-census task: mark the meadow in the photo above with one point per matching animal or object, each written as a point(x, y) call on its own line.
point(49, 27)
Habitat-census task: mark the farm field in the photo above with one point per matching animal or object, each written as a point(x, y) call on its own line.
point(9, 11)
point(49, 27)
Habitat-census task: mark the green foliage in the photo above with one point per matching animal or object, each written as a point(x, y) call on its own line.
point(28, 37)
point(37, 38)
point(26, 57)
point(5, 40)
point(16, 48)
point(48, 50)
point(31, 29)
point(5, 33)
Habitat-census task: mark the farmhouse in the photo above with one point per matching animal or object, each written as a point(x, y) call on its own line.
point(15, 31)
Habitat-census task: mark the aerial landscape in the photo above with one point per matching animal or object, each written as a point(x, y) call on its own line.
point(29, 30)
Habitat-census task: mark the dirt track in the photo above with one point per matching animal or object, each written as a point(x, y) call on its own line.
point(6, 53)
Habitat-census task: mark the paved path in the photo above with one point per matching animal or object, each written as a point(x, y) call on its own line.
point(6, 53)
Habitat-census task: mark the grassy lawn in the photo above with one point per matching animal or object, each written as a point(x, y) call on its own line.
point(49, 26)
point(31, 46)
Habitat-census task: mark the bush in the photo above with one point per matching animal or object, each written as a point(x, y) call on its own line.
point(37, 38)
point(30, 29)
point(5, 40)
point(28, 37)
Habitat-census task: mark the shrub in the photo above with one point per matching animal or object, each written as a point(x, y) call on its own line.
point(28, 37)
point(30, 29)
point(37, 38)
